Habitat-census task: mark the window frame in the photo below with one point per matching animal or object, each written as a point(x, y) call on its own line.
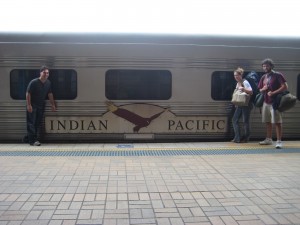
point(61, 79)
point(135, 84)
point(222, 89)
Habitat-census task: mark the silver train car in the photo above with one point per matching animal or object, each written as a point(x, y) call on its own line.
point(134, 87)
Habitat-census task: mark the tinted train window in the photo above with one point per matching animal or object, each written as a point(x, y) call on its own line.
point(223, 84)
point(298, 87)
point(138, 84)
point(64, 83)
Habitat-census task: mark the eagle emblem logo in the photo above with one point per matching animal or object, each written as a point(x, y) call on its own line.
point(137, 120)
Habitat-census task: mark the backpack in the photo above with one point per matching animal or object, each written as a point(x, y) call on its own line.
point(253, 80)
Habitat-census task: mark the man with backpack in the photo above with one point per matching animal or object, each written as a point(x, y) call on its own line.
point(271, 84)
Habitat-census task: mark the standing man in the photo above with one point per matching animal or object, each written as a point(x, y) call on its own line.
point(37, 91)
point(271, 83)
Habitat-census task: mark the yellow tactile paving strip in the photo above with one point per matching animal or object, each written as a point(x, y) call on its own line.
point(144, 146)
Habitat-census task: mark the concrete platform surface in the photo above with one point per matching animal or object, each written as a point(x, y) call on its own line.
point(244, 184)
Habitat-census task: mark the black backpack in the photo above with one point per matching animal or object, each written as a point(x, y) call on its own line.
point(253, 80)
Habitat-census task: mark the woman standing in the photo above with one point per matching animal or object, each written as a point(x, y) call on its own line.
point(244, 86)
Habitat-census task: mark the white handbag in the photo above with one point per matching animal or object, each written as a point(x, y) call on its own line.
point(240, 98)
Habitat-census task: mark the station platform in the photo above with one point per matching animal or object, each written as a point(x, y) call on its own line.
point(145, 149)
point(150, 183)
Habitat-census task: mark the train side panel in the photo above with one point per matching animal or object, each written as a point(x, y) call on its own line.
point(189, 113)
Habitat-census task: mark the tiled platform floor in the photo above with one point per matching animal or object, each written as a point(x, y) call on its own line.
point(223, 189)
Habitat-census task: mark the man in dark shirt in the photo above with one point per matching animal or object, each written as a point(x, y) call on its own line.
point(37, 91)
point(271, 84)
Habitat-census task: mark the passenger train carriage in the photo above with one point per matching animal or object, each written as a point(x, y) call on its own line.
point(134, 87)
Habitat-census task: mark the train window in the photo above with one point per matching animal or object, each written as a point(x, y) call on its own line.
point(223, 84)
point(64, 83)
point(298, 87)
point(138, 84)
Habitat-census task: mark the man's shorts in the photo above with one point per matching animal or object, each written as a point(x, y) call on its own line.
point(269, 115)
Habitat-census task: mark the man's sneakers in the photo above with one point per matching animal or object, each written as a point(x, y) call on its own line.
point(267, 141)
point(278, 144)
point(36, 143)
